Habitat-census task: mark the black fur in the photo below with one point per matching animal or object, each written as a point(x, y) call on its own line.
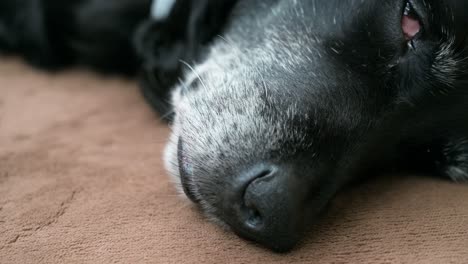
point(366, 99)
point(164, 44)
point(53, 34)
point(113, 36)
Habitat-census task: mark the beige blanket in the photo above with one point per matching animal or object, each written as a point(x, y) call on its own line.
point(82, 181)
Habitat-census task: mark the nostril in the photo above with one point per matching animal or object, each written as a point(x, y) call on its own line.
point(265, 205)
point(257, 175)
point(254, 219)
point(265, 173)
point(252, 215)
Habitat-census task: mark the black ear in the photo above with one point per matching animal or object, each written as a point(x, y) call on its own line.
point(52, 34)
point(5, 39)
point(23, 30)
point(182, 36)
point(208, 20)
point(102, 32)
point(160, 47)
point(8, 38)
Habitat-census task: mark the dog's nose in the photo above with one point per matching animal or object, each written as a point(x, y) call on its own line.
point(266, 206)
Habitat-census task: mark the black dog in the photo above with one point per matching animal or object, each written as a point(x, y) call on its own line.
point(294, 100)
point(53, 33)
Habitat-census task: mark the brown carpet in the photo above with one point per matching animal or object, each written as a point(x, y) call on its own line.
point(81, 181)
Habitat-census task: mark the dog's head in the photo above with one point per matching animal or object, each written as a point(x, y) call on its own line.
point(294, 96)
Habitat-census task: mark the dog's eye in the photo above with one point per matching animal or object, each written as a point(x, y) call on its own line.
point(410, 23)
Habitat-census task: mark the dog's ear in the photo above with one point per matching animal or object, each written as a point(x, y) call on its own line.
point(166, 39)
point(208, 19)
point(7, 37)
point(23, 30)
point(52, 34)
point(103, 31)
point(160, 47)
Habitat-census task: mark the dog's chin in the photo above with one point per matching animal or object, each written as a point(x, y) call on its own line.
point(171, 163)
point(172, 166)
point(170, 152)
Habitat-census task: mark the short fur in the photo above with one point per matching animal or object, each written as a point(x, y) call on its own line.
point(321, 93)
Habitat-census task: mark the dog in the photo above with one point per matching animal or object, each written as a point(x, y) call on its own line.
point(277, 105)
point(54, 34)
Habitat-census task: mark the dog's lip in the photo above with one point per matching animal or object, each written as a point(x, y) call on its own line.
point(185, 172)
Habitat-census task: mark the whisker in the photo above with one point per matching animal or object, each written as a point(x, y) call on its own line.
point(195, 72)
point(230, 43)
point(166, 115)
point(184, 86)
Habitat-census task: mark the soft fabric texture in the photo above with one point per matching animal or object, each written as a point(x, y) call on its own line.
point(82, 181)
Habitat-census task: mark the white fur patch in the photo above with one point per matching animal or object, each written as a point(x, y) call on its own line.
point(228, 105)
point(446, 63)
point(161, 9)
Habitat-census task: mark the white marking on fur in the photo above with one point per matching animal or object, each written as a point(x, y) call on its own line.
point(226, 118)
point(161, 9)
point(446, 64)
